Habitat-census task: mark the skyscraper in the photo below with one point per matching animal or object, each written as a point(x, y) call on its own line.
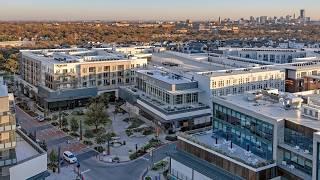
point(302, 14)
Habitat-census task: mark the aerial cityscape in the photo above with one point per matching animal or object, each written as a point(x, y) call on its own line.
point(164, 90)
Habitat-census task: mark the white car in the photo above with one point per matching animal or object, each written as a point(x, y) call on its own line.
point(68, 156)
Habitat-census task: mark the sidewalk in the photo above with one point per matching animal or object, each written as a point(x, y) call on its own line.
point(65, 173)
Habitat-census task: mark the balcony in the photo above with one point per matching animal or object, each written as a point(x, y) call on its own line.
point(223, 147)
point(7, 127)
point(9, 143)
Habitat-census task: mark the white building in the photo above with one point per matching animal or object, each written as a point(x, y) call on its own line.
point(261, 134)
point(272, 55)
point(171, 100)
point(68, 77)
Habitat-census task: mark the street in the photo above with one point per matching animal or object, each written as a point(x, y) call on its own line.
point(95, 170)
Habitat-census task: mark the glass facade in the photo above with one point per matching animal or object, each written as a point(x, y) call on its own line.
point(318, 161)
point(245, 131)
point(295, 138)
point(299, 162)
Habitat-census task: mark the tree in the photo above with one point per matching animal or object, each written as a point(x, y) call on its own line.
point(53, 159)
point(64, 122)
point(74, 125)
point(108, 139)
point(96, 115)
point(101, 138)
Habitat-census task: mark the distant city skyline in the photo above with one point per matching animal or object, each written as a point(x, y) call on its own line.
point(67, 10)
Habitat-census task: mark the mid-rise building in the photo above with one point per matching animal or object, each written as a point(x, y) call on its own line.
point(237, 81)
point(261, 134)
point(67, 78)
point(271, 55)
point(300, 75)
point(20, 157)
point(170, 100)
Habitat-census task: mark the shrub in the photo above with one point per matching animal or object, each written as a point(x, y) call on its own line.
point(55, 123)
point(65, 130)
point(54, 117)
point(129, 132)
point(171, 138)
point(87, 142)
point(74, 134)
point(88, 134)
point(147, 178)
point(100, 149)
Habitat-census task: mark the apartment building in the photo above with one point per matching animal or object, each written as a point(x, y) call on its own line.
point(168, 99)
point(272, 55)
point(299, 75)
point(67, 78)
point(237, 81)
point(20, 157)
point(261, 134)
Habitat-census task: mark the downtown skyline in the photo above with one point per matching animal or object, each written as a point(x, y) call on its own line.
point(145, 10)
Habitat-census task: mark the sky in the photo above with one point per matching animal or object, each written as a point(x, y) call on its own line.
point(152, 9)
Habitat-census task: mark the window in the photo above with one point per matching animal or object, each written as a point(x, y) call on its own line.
point(106, 68)
point(92, 69)
point(178, 99)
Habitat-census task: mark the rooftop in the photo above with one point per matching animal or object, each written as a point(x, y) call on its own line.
point(3, 88)
point(164, 76)
point(208, 139)
point(239, 71)
point(274, 105)
point(302, 65)
point(25, 148)
point(204, 167)
point(76, 55)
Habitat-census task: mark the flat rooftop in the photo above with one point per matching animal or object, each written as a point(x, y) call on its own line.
point(269, 109)
point(202, 166)
point(188, 63)
point(223, 147)
point(24, 150)
point(164, 76)
point(3, 90)
point(302, 65)
point(76, 55)
point(239, 71)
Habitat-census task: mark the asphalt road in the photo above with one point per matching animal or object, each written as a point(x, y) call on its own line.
point(94, 170)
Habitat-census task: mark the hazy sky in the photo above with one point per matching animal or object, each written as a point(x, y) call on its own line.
point(151, 9)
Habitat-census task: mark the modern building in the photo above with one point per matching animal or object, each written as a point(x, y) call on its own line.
point(20, 157)
point(170, 100)
point(272, 55)
point(237, 81)
point(261, 134)
point(67, 78)
point(299, 76)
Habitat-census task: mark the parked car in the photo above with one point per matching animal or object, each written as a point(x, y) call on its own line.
point(69, 157)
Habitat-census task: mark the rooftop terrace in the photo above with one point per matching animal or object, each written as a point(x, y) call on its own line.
point(208, 139)
point(167, 77)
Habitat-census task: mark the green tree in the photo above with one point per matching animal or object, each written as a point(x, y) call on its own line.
point(74, 125)
point(53, 159)
point(64, 122)
point(96, 115)
point(101, 138)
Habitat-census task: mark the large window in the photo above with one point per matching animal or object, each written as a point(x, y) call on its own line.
point(297, 161)
point(244, 130)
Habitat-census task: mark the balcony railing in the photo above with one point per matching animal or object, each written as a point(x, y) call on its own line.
point(216, 149)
